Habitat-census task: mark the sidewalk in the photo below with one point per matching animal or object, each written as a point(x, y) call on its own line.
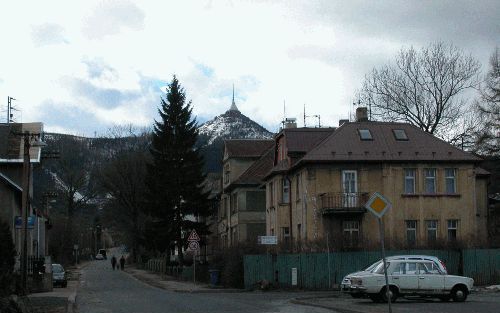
point(169, 283)
point(59, 300)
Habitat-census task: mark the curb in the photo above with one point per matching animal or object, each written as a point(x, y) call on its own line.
point(322, 306)
point(155, 284)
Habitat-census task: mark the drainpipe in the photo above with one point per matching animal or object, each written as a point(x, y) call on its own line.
point(290, 209)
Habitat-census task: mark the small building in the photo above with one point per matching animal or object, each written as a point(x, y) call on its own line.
point(11, 187)
point(241, 215)
point(438, 192)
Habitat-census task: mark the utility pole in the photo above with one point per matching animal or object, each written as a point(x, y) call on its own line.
point(25, 209)
point(25, 206)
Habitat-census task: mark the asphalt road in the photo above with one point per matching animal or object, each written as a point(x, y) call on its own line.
point(103, 290)
point(478, 302)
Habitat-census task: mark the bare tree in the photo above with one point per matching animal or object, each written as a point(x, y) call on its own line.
point(489, 109)
point(122, 178)
point(424, 88)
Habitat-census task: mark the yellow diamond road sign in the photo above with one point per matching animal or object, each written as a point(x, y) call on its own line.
point(378, 205)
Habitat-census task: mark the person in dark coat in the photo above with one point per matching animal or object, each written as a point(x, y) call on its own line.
point(122, 263)
point(113, 262)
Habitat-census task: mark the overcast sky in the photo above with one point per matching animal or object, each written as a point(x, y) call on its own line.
point(83, 66)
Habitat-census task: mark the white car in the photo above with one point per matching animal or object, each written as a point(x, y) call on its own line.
point(346, 281)
point(409, 278)
point(99, 257)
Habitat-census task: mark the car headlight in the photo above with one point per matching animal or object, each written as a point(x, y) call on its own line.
point(356, 281)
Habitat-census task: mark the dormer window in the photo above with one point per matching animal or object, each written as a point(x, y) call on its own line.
point(400, 134)
point(365, 134)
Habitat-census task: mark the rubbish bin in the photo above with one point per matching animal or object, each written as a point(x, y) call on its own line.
point(214, 277)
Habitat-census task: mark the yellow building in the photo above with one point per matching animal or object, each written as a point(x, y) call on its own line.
point(241, 215)
point(318, 188)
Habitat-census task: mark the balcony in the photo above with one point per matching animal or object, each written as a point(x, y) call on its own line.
point(343, 203)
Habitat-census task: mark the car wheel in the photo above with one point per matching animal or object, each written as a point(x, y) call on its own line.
point(459, 294)
point(65, 284)
point(393, 294)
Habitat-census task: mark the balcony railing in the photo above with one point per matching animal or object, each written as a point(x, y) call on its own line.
point(341, 203)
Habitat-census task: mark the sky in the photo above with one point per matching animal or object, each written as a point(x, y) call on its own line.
point(82, 67)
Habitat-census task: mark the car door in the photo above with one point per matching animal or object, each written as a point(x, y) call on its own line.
point(430, 280)
point(405, 276)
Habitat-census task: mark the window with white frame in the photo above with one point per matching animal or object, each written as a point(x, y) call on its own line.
point(430, 180)
point(411, 232)
point(450, 180)
point(410, 174)
point(432, 230)
point(351, 233)
point(285, 234)
point(452, 230)
point(285, 193)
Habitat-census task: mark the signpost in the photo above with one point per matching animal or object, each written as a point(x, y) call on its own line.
point(378, 205)
point(268, 240)
point(194, 245)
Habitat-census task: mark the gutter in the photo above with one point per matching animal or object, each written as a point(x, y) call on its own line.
point(11, 182)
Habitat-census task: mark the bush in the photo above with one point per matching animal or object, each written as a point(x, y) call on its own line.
point(230, 263)
point(7, 261)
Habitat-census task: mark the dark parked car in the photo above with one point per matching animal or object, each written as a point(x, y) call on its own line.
point(103, 253)
point(59, 275)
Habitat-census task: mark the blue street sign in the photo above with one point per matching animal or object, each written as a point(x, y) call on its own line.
point(19, 222)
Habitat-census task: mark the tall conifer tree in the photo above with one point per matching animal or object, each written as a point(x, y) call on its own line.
point(175, 175)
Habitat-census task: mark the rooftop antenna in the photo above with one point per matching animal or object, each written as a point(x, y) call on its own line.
point(284, 114)
point(304, 115)
point(9, 109)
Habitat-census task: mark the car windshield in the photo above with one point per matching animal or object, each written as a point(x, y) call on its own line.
point(372, 266)
point(57, 268)
point(379, 268)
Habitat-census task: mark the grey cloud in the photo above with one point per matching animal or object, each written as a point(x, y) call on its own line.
point(471, 25)
point(70, 116)
point(111, 16)
point(104, 97)
point(47, 34)
point(96, 68)
point(413, 20)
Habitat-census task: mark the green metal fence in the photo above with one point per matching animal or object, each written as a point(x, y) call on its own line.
point(315, 272)
point(483, 265)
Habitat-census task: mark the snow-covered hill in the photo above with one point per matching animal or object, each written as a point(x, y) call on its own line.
point(231, 125)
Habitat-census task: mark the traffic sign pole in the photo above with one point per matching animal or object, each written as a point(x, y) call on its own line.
point(378, 206)
point(387, 290)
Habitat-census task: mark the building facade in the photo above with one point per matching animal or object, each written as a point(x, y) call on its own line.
point(438, 192)
point(11, 188)
point(241, 216)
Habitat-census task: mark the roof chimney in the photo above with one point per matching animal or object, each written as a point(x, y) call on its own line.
point(342, 122)
point(290, 123)
point(361, 114)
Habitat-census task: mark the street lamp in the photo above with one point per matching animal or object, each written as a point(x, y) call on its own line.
point(30, 140)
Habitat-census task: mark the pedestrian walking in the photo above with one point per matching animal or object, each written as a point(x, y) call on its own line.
point(113, 262)
point(122, 263)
